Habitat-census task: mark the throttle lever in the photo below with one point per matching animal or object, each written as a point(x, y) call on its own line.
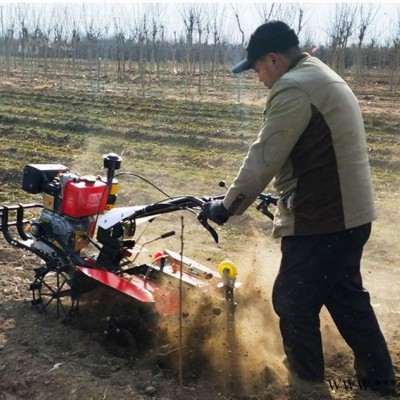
point(206, 225)
point(263, 207)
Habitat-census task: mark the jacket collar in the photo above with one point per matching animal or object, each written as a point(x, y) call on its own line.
point(297, 60)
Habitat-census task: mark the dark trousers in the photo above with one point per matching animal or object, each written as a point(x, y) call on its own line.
point(319, 270)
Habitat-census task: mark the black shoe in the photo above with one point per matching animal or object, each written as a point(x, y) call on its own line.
point(307, 390)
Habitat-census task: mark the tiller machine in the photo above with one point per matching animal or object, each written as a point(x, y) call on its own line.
point(84, 242)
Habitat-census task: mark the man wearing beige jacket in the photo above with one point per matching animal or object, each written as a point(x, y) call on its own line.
point(312, 143)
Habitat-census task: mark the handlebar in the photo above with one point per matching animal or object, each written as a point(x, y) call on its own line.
point(192, 203)
point(169, 205)
point(176, 204)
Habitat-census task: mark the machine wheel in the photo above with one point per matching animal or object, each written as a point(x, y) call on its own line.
point(119, 340)
point(51, 292)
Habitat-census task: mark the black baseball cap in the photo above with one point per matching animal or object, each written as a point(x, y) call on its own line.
point(273, 36)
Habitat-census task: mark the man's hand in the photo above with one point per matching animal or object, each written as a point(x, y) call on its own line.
point(215, 211)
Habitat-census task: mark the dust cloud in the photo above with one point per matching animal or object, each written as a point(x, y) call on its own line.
point(243, 352)
point(240, 351)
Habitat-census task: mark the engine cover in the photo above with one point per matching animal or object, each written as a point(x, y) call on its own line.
point(83, 197)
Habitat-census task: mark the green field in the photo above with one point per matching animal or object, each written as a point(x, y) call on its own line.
point(192, 143)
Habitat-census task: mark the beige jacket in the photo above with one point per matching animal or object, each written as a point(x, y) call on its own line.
point(313, 143)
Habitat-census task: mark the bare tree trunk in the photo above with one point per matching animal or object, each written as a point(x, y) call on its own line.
point(161, 56)
point(200, 52)
point(224, 51)
point(173, 55)
point(93, 33)
point(57, 56)
point(216, 32)
point(142, 65)
point(153, 45)
point(23, 43)
point(267, 11)
point(8, 43)
point(236, 11)
point(395, 66)
point(365, 18)
point(120, 39)
point(46, 56)
point(340, 31)
point(140, 31)
point(75, 42)
point(98, 73)
point(189, 18)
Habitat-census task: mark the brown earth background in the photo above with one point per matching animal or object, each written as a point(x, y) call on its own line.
point(185, 146)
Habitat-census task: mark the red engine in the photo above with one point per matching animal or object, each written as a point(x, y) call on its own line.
point(70, 203)
point(66, 193)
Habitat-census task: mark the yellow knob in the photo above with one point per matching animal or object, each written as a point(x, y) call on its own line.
point(230, 266)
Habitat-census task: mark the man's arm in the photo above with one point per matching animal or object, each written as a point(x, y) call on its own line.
point(288, 114)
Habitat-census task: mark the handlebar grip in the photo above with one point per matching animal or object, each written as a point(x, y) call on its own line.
point(167, 234)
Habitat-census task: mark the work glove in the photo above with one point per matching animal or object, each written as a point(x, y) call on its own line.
point(215, 211)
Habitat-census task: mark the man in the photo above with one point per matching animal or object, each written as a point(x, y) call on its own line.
point(312, 142)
